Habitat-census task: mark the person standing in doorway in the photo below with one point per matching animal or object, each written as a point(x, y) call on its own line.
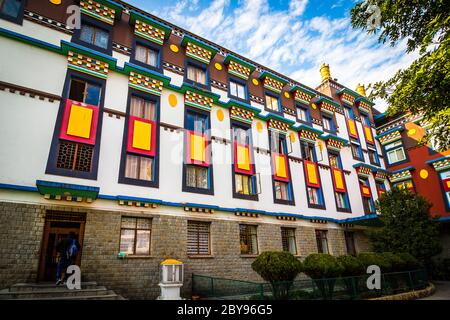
point(67, 250)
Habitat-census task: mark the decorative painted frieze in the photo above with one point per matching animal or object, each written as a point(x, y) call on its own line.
point(149, 32)
point(273, 82)
point(334, 142)
point(196, 100)
point(242, 115)
point(440, 164)
point(98, 11)
point(381, 175)
point(309, 134)
point(198, 50)
point(279, 126)
point(364, 107)
point(87, 65)
point(363, 170)
point(302, 95)
point(326, 105)
point(197, 209)
point(65, 191)
point(239, 70)
point(400, 175)
point(347, 96)
point(318, 221)
point(287, 218)
point(144, 83)
point(137, 203)
point(246, 214)
point(391, 136)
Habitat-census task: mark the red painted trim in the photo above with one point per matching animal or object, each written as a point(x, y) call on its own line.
point(130, 147)
point(274, 169)
point(444, 184)
point(362, 193)
point(305, 169)
point(238, 170)
point(65, 122)
point(188, 159)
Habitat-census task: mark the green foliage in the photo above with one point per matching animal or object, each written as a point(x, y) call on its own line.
point(280, 269)
point(397, 263)
point(440, 269)
point(374, 258)
point(422, 88)
point(409, 261)
point(407, 226)
point(322, 265)
point(351, 266)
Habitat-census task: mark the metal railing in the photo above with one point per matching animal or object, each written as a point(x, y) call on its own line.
point(343, 288)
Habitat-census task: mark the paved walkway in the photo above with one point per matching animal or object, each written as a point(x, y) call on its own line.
point(442, 291)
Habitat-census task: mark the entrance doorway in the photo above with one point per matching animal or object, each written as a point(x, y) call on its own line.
point(58, 225)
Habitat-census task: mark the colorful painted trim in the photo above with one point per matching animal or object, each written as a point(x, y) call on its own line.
point(278, 126)
point(66, 191)
point(302, 95)
point(198, 50)
point(334, 142)
point(98, 10)
point(196, 100)
point(272, 82)
point(144, 83)
point(440, 164)
point(363, 170)
point(307, 133)
point(164, 29)
point(138, 202)
point(326, 105)
point(401, 174)
point(347, 95)
point(390, 136)
point(239, 67)
point(241, 115)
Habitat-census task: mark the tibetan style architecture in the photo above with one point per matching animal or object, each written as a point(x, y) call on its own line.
point(149, 142)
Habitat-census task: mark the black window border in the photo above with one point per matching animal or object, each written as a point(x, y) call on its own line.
point(274, 95)
point(196, 64)
point(185, 188)
point(292, 195)
point(150, 45)
point(308, 113)
point(97, 24)
point(240, 82)
point(19, 19)
point(137, 182)
point(52, 158)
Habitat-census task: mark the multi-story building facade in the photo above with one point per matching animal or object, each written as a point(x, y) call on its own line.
point(150, 142)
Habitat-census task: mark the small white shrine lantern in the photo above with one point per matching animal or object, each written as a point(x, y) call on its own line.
point(170, 279)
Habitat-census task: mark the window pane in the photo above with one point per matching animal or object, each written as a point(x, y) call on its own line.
point(127, 241)
point(241, 91)
point(190, 176)
point(233, 88)
point(131, 167)
point(101, 38)
point(128, 222)
point(143, 242)
point(141, 54)
point(196, 74)
point(11, 8)
point(333, 161)
point(245, 184)
point(144, 223)
point(92, 94)
point(326, 124)
point(152, 58)
point(313, 195)
point(76, 91)
point(238, 183)
point(202, 178)
point(142, 108)
point(146, 169)
point(87, 34)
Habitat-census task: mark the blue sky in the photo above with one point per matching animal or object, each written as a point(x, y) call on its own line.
point(293, 37)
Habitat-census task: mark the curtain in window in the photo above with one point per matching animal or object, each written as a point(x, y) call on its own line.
point(190, 176)
point(141, 54)
point(152, 58)
point(145, 168)
point(142, 108)
point(131, 167)
point(312, 194)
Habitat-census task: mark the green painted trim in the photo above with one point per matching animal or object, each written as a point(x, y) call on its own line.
point(145, 36)
point(271, 75)
point(93, 73)
point(304, 90)
point(118, 8)
point(137, 16)
point(199, 43)
point(348, 91)
point(157, 93)
point(237, 74)
point(230, 57)
point(196, 57)
point(97, 16)
point(327, 100)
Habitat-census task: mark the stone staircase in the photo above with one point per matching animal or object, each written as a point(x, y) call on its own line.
point(47, 291)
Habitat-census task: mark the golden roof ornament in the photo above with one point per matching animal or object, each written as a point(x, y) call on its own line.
point(361, 90)
point(325, 72)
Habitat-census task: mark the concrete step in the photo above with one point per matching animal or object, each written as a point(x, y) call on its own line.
point(21, 287)
point(61, 292)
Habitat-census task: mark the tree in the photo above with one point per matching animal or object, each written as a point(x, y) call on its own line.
point(280, 269)
point(422, 88)
point(407, 225)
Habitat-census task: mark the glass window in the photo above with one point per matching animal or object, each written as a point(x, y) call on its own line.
point(356, 151)
point(74, 156)
point(142, 108)
point(94, 36)
point(241, 135)
point(348, 113)
point(288, 240)
point(140, 168)
point(406, 184)
point(272, 103)
point(10, 8)
point(237, 90)
point(197, 177)
point(365, 120)
point(277, 143)
point(302, 114)
point(308, 151)
point(334, 160)
point(322, 241)
point(198, 238)
point(135, 236)
point(83, 91)
point(314, 196)
point(341, 200)
point(243, 184)
point(248, 239)
point(282, 191)
point(196, 122)
point(350, 242)
point(196, 74)
point(327, 124)
point(396, 155)
point(373, 157)
point(445, 178)
point(146, 55)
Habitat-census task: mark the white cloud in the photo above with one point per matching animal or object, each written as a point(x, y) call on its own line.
point(287, 42)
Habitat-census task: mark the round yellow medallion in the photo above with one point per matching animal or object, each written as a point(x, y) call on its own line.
point(55, 1)
point(287, 95)
point(259, 127)
point(411, 132)
point(174, 48)
point(218, 66)
point(424, 173)
point(255, 82)
point(314, 106)
point(173, 100)
point(219, 115)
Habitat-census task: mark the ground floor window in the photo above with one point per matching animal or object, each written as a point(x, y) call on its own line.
point(135, 236)
point(288, 240)
point(322, 241)
point(248, 239)
point(350, 242)
point(198, 239)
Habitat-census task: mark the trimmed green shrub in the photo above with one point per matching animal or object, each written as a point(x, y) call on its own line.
point(280, 269)
point(373, 258)
point(352, 266)
point(409, 261)
point(396, 262)
point(323, 269)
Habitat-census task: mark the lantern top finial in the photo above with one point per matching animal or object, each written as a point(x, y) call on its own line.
point(171, 262)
